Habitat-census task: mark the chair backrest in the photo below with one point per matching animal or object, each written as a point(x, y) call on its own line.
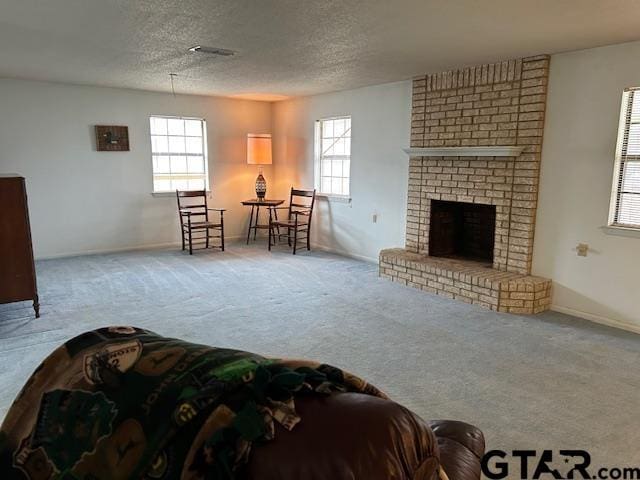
point(193, 202)
point(302, 201)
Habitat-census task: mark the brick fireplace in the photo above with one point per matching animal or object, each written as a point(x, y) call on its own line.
point(474, 170)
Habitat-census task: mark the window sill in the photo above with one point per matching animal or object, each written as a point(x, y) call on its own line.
point(334, 198)
point(169, 194)
point(621, 231)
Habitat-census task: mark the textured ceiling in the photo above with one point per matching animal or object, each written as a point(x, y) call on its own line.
point(289, 47)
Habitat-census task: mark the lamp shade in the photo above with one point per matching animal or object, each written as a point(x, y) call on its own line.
point(259, 149)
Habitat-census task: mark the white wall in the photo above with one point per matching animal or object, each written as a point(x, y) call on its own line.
point(585, 89)
point(82, 200)
point(380, 120)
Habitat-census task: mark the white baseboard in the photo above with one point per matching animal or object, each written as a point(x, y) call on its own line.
point(344, 253)
point(148, 246)
point(609, 322)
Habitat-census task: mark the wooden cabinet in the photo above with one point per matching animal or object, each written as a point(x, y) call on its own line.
point(17, 270)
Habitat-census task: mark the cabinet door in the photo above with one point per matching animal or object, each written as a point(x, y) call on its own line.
point(17, 276)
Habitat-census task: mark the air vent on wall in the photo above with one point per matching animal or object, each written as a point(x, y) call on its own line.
point(221, 52)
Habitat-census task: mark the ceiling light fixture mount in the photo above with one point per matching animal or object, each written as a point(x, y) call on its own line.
point(172, 76)
point(220, 52)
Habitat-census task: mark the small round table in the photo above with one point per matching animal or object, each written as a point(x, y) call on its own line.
point(255, 204)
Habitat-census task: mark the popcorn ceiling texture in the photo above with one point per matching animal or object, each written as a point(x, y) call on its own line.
point(488, 105)
point(289, 48)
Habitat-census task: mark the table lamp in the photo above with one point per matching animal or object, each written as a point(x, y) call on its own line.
point(259, 153)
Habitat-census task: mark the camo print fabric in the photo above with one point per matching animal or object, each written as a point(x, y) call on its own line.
point(123, 402)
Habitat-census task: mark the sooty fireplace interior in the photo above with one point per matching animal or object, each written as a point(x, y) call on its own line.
point(462, 230)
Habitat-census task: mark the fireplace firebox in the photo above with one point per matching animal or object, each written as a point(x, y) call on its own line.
point(462, 230)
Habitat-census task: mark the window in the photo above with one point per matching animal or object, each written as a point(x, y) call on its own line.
point(179, 151)
point(333, 155)
point(625, 203)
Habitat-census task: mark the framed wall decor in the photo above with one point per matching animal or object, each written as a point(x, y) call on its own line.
point(112, 138)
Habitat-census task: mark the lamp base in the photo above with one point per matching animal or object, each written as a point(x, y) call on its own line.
point(261, 187)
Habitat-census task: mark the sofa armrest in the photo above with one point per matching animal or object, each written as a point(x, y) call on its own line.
point(461, 448)
point(466, 435)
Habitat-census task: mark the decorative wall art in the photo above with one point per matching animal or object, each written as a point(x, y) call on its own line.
point(112, 138)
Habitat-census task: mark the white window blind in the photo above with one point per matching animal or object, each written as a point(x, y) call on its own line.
point(625, 205)
point(333, 155)
point(179, 151)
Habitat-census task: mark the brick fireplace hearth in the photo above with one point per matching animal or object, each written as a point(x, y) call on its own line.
point(474, 170)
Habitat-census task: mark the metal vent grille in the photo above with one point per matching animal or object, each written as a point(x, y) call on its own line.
point(219, 52)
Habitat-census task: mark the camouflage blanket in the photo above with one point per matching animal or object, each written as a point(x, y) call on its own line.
point(124, 402)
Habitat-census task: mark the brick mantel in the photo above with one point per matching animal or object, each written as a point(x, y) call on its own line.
point(497, 151)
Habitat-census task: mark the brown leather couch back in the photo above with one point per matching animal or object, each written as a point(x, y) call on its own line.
point(346, 437)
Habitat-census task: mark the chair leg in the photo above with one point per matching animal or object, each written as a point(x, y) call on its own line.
point(275, 212)
point(289, 236)
point(309, 238)
point(190, 243)
point(222, 229)
point(295, 240)
point(182, 237)
point(206, 244)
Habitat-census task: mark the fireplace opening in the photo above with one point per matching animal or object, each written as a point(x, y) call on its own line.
point(462, 230)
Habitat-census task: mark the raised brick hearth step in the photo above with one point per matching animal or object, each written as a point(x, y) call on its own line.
point(469, 281)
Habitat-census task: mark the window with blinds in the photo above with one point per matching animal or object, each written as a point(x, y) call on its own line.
point(625, 204)
point(333, 155)
point(179, 151)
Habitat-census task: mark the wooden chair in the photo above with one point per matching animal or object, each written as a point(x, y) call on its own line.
point(191, 215)
point(298, 221)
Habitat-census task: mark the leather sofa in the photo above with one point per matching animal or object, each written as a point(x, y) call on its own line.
point(139, 392)
point(355, 436)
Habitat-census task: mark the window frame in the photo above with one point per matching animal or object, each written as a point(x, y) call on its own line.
point(205, 152)
point(318, 157)
point(621, 158)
